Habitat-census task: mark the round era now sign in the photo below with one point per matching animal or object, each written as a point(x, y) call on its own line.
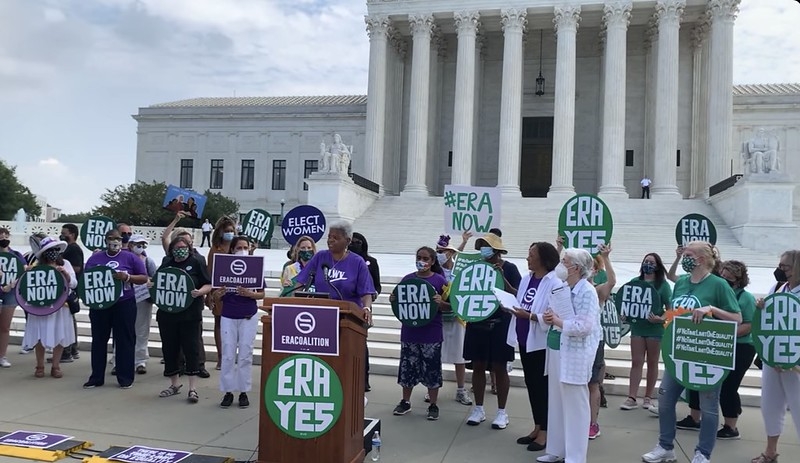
point(413, 304)
point(303, 396)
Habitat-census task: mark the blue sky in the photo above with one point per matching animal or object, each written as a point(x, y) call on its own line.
point(72, 72)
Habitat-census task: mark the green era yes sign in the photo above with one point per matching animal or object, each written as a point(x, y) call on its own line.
point(471, 292)
point(776, 330)
point(585, 222)
point(303, 396)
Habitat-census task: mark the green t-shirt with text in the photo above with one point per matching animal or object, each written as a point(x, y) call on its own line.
point(711, 290)
point(646, 329)
point(747, 305)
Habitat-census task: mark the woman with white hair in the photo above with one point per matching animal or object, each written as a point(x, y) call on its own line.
point(571, 347)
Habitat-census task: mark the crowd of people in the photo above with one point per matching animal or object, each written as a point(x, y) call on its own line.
point(562, 357)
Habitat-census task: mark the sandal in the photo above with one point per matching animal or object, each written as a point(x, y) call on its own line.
point(170, 391)
point(193, 398)
point(39, 372)
point(763, 458)
point(56, 372)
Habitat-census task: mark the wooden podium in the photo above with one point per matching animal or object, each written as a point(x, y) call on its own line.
point(344, 443)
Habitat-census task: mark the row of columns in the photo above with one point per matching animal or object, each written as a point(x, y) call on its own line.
point(663, 138)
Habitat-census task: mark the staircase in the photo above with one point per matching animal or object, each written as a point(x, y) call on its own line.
point(384, 346)
point(397, 224)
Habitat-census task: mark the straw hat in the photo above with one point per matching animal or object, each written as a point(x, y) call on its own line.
point(50, 243)
point(491, 240)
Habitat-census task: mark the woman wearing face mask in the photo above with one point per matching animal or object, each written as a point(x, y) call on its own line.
point(646, 335)
point(704, 294)
point(421, 347)
point(224, 231)
point(780, 389)
point(52, 331)
point(302, 252)
point(358, 245)
point(485, 341)
point(8, 301)
point(571, 351)
point(238, 327)
point(120, 317)
point(181, 331)
point(144, 304)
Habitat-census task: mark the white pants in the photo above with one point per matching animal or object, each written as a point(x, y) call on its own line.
point(779, 389)
point(238, 336)
point(144, 315)
point(568, 415)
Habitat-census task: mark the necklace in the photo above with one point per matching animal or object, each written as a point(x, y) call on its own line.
point(336, 262)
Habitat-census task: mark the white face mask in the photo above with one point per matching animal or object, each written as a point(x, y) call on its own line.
point(441, 257)
point(139, 250)
point(562, 272)
point(241, 252)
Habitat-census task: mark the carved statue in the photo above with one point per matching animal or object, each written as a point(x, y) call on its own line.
point(760, 154)
point(336, 157)
point(326, 158)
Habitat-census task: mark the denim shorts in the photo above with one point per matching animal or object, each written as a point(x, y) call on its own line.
point(599, 364)
point(8, 299)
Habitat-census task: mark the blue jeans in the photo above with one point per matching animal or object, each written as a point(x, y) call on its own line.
point(668, 395)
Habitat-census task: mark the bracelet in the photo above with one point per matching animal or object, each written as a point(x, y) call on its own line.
point(128, 275)
point(368, 309)
point(530, 316)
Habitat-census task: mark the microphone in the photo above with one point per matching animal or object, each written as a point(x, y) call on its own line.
point(310, 281)
point(325, 269)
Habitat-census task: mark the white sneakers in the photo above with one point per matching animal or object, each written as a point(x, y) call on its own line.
point(476, 416)
point(660, 455)
point(501, 420)
point(547, 458)
point(4, 363)
point(700, 458)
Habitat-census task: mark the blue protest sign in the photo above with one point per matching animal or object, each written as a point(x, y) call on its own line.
point(179, 199)
point(303, 220)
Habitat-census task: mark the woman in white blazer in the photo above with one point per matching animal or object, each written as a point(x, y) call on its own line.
point(571, 348)
point(528, 332)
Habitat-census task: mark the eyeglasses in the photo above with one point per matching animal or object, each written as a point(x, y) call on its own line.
point(784, 266)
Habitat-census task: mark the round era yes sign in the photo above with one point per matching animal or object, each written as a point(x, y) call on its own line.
point(303, 396)
point(776, 331)
point(585, 222)
point(471, 293)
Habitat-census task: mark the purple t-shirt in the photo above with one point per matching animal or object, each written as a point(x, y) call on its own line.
point(238, 307)
point(526, 302)
point(432, 332)
point(123, 261)
point(347, 279)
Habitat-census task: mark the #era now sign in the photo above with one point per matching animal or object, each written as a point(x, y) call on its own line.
point(470, 208)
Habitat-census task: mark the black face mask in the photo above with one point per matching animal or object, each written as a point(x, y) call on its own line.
point(126, 237)
point(780, 275)
point(4, 243)
point(63, 238)
point(357, 248)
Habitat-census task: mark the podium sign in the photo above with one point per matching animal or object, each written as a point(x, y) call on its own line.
point(305, 329)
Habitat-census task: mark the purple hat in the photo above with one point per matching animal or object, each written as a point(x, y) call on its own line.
point(444, 243)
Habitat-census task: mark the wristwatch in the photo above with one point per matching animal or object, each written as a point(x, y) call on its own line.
point(368, 309)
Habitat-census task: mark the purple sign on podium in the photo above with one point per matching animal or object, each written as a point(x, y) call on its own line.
point(305, 329)
point(142, 454)
point(232, 271)
point(35, 440)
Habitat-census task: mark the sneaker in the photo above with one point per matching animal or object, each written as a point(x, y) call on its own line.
point(629, 404)
point(91, 384)
point(402, 408)
point(227, 400)
point(700, 458)
point(433, 412)
point(126, 386)
point(244, 402)
point(510, 366)
point(476, 416)
point(4, 363)
point(501, 420)
point(25, 350)
point(549, 459)
point(66, 358)
point(647, 403)
point(594, 431)
point(688, 423)
point(654, 409)
point(659, 455)
point(141, 370)
point(427, 398)
point(463, 398)
point(203, 373)
point(727, 433)
point(75, 355)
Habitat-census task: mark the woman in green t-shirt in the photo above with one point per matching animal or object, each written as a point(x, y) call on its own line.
point(646, 334)
point(704, 294)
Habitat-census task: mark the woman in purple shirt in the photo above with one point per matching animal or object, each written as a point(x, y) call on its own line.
point(120, 317)
point(238, 326)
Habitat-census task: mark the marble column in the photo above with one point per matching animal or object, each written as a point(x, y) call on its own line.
point(616, 17)
point(513, 21)
point(467, 23)
point(566, 25)
point(377, 28)
point(651, 46)
point(722, 14)
point(421, 28)
point(665, 174)
point(699, 108)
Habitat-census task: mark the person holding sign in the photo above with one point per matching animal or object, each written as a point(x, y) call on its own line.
point(8, 301)
point(646, 334)
point(780, 388)
point(224, 231)
point(574, 317)
point(180, 331)
point(528, 331)
point(302, 252)
point(52, 331)
point(144, 304)
point(421, 347)
point(705, 295)
point(119, 317)
point(485, 341)
point(238, 326)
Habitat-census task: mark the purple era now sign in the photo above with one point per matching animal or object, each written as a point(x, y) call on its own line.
point(305, 329)
point(232, 271)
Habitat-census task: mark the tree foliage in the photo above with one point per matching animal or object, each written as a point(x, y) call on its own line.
point(14, 195)
point(80, 217)
point(140, 204)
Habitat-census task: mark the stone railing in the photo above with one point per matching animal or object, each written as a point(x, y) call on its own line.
point(20, 237)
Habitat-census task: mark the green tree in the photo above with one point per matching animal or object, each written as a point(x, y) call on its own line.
point(141, 203)
point(80, 217)
point(15, 195)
